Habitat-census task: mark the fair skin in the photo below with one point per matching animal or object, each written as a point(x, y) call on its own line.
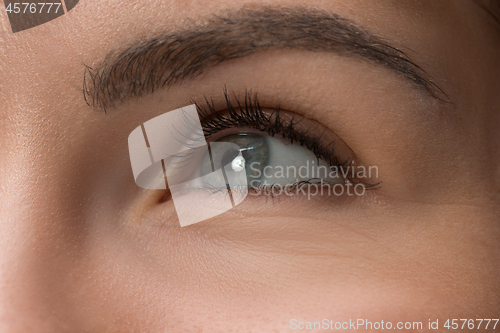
point(86, 250)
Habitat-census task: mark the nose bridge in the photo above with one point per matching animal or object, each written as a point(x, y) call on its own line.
point(34, 235)
point(27, 301)
point(31, 247)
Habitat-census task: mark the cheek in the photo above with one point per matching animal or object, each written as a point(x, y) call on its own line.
point(279, 263)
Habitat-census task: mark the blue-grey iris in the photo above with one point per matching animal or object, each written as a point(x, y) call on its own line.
point(255, 150)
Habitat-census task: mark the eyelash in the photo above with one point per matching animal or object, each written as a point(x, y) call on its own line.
point(249, 114)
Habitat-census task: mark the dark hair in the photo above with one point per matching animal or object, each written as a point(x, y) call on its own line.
point(492, 7)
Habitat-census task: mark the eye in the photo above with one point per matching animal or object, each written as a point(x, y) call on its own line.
point(210, 160)
point(263, 148)
point(246, 149)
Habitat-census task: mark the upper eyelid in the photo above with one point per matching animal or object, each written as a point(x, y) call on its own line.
point(250, 113)
point(343, 155)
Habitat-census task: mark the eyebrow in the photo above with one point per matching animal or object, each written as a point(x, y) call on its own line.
point(163, 60)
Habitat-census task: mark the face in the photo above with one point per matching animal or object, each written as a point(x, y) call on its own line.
point(84, 249)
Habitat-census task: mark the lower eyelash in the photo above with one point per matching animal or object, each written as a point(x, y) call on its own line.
point(294, 189)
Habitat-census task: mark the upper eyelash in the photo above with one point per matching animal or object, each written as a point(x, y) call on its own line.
point(250, 114)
